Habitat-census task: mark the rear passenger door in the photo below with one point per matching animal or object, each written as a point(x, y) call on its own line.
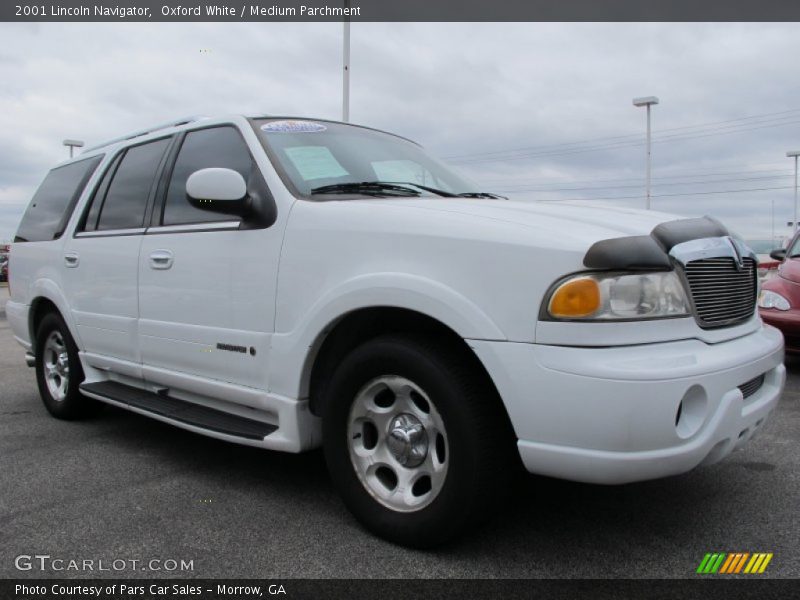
point(101, 260)
point(206, 280)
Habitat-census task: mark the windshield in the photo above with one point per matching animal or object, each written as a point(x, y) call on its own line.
point(795, 249)
point(316, 154)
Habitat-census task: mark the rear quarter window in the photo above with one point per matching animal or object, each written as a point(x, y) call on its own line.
point(51, 207)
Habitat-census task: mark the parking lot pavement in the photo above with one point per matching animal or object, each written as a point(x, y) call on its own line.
point(125, 487)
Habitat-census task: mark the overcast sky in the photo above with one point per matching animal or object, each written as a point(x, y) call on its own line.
point(536, 111)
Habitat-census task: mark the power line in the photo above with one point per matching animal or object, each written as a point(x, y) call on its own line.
point(620, 145)
point(628, 136)
point(539, 183)
point(737, 191)
point(618, 187)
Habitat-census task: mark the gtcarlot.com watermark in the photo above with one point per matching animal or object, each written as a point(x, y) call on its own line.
point(45, 562)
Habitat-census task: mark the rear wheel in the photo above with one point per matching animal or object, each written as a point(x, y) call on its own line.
point(417, 443)
point(58, 371)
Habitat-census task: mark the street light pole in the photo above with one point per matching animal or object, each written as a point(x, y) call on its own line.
point(772, 218)
point(72, 144)
point(794, 154)
point(647, 101)
point(346, 67)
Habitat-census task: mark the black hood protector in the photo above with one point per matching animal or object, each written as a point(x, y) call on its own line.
point(650, 252)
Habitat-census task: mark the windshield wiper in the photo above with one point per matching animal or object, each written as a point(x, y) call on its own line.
point(368, 188)
point(432, 190)
point(395, 188)
point(482, 195)
point(445, 194)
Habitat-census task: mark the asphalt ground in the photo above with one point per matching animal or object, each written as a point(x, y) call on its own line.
point(122, 486)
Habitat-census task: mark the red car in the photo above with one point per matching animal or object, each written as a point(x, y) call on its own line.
point(779, 300)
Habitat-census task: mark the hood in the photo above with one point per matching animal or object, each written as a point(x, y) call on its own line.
point(574, 224)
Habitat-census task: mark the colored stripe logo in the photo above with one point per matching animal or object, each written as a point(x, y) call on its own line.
point(732, 563)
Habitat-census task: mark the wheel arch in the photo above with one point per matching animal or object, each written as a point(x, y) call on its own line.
point(358, 326)
point(46, 297)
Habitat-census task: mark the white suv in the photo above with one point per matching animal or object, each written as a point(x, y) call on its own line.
point(289, 283)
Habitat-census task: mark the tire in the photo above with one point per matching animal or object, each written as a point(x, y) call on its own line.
point(402, 409)
point(59, 372)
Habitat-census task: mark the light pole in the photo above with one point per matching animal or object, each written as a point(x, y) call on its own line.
point(794, 154)
point(647, 101)
point(72, 145)
point(772, 218)
point(346, 67)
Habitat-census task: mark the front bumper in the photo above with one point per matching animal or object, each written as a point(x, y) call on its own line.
point(611, 415)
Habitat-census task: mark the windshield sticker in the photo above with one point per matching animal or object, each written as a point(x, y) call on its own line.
point(293, 127)
point(315, 162)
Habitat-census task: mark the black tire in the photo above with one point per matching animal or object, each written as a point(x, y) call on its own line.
point(480, 442)
point(73, 405)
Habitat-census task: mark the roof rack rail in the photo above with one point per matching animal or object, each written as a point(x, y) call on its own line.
point(141, 132)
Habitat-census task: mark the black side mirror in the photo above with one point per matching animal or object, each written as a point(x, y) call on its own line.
point(779, 254)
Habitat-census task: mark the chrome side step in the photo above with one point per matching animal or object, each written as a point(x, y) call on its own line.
point(172, 409)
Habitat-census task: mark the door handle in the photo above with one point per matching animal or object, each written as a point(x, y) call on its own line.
point(161, 259)
point(71, 259)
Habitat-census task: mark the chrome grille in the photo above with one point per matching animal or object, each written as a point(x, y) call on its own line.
point(722, 294)
point(751, 387)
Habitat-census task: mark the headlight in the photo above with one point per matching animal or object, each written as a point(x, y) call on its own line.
point(768, 299)
point(607, 297)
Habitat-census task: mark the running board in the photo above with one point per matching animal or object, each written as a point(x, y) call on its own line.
point(178, 410)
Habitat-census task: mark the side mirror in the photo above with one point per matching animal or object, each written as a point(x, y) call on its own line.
point(219, 190)
point(778, 254)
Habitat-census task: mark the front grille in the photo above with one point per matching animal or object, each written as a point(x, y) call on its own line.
point(722, 294)
point(751, 387)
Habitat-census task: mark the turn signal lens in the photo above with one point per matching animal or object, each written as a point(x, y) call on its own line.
point(575, 298)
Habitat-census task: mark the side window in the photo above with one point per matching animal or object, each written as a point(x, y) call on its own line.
point(214, 147)
point(51, 206)
point(125, 201)
point(90, 220)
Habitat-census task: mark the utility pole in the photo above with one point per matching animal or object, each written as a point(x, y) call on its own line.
point(794, 154)
point(346, 66)
point(647, 101)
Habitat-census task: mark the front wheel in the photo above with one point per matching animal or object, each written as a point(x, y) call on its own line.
point(417, 443)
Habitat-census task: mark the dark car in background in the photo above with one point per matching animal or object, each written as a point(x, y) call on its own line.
point(3, 268)
point(779, 300)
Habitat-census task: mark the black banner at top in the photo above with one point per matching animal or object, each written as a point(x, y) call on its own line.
point(398, 10)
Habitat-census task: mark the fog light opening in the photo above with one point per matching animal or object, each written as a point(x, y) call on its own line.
point(691, 412)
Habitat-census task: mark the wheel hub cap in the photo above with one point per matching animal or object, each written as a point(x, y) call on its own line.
point(398, 443)
point(408, 440)
point(62, 364)
point(55, 362)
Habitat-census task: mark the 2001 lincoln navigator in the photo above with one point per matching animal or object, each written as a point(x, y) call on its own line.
point(288, 283)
